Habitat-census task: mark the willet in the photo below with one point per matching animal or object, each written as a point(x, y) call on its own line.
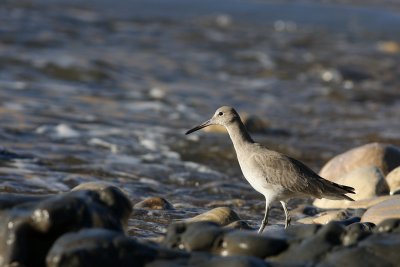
point(278, 177)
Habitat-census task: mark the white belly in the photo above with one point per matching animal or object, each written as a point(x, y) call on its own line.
point(259, 183)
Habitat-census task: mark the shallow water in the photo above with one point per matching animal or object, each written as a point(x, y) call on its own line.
point(101, 92)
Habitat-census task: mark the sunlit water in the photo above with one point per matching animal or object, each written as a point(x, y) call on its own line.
point(101, 92)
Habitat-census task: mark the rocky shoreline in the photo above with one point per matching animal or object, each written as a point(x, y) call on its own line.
point(87, 226)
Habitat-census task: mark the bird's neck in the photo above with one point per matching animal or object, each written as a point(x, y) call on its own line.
point(239, 135)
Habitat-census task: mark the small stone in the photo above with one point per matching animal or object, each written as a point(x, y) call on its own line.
point(302, 212)
point(325, 217)
point(393, 180)
point(384, 156)
point(367, 181)
point(154, 203)
point(248, 244)
point(382, 211)
point(221, 215)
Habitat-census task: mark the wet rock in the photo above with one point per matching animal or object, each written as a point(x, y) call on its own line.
point(239, 225)
point(366, 226)
point(154, 203)
point(114, 198)
point(385, 157)
point(352, 257)
point(221, 215)
point(28, 230)
point(313, 248)
point(196, 236)
point(388, 225)
point(248, 244)
point(101, 247)
point(234, 261)
point(368, 182)
point(375, 250)
point(382, 211)
point(356, 232)
point(393, 180)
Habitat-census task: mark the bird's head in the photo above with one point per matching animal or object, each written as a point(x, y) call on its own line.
point(223, 116)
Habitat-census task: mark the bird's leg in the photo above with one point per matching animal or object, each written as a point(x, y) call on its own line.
point(288, 219)
point(265, 220)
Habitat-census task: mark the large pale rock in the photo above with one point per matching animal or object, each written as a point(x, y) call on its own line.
point(367, 203)
point(385, 157)
point(368, 182)
point(393, 180)
point(382, 211)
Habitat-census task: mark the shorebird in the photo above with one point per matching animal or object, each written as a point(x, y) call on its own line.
point(277, 176)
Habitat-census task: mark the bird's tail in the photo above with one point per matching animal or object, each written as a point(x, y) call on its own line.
point(337, 191)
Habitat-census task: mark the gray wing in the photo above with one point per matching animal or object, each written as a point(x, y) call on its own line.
point(296, 177)
point(289, 173)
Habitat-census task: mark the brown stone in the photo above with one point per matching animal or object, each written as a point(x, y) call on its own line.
point(221, 215)
point(154, 203)
point(387, 209)
point(384, 156)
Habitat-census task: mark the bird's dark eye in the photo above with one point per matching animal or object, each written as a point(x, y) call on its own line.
point(220, 113)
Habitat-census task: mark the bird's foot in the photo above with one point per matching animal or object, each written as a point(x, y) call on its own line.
point(287, 221)
point(262, 227)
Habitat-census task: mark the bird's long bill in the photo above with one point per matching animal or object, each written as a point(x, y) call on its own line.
point(201, 126)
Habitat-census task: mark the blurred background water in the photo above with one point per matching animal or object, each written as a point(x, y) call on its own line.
point(104, 91)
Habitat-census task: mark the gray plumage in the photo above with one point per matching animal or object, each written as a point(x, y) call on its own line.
point(278, 177)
